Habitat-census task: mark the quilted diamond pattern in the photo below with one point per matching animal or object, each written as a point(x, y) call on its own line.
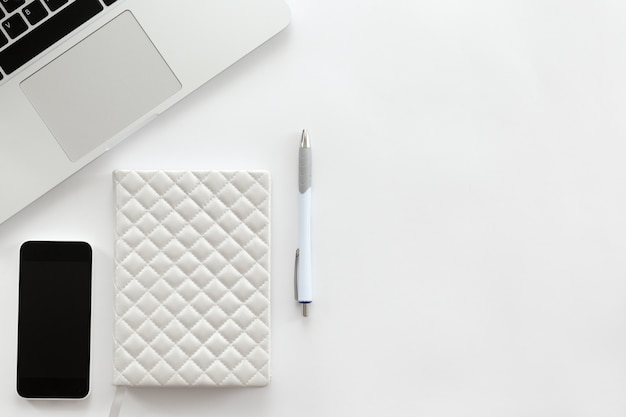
point(192, 275)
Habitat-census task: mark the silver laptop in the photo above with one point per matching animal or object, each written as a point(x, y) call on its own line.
point(78, 76)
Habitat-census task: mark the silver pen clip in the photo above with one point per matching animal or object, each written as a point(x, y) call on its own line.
point(305, 306)
point(295, 275)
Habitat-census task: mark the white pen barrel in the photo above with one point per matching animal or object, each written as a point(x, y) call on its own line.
point(304, 277)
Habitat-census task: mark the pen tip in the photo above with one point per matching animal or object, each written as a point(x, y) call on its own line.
point(304, 142)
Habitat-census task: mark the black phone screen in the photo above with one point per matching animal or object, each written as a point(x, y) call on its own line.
point(54, 320)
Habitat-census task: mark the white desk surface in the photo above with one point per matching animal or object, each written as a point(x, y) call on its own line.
point(469, 213)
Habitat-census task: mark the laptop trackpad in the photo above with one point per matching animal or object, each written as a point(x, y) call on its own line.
point(100, 86)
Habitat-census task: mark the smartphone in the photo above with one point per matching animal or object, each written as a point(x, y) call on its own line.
point(54, 320)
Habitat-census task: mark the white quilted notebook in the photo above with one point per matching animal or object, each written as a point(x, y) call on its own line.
point(192, 278)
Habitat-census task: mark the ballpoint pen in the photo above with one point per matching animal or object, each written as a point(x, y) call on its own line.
point(303, 275)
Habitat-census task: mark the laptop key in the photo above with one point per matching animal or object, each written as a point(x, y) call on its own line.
point(15, 26)
point(3, 40)
point(12, 5)
point(1, 14)
point(109, 2)
point(34, 12)
point(55, 4)
point(48, 33)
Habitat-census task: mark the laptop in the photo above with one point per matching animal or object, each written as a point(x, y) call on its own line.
point(79, 76)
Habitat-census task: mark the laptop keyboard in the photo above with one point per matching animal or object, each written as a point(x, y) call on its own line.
point(27, 28)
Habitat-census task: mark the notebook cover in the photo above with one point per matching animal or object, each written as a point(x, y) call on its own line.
point(192, 278)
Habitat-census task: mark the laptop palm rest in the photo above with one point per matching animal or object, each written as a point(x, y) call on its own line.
point(100, 86)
